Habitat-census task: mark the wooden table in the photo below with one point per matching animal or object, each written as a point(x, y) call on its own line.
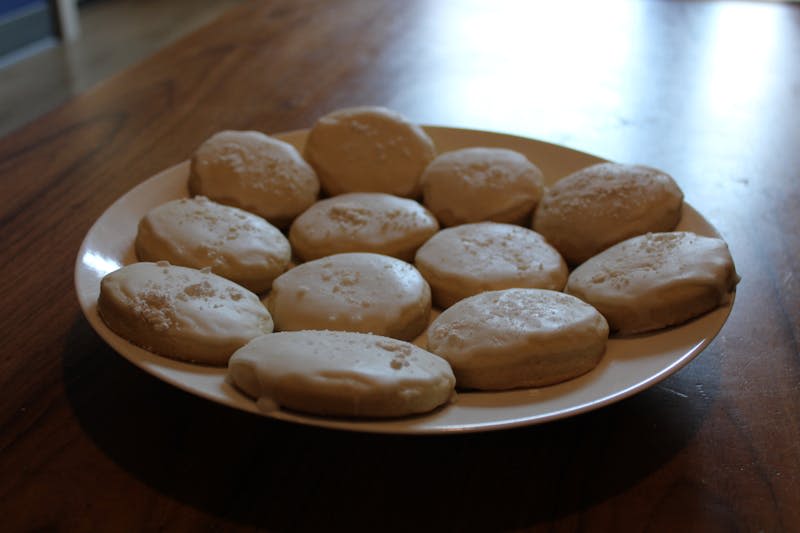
point(709, 92)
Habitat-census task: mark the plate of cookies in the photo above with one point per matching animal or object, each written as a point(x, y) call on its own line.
point(372, 274)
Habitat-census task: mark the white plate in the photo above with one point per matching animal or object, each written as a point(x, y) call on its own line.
point(630, 365)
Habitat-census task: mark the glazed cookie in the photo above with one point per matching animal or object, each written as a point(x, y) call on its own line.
point(181, 312)
point(369, 149)
point(198, 233)
point(477, 184)
point(656, 280)
point(362, 222)
point(364, 292)
point(588, 211)
point(465, 260)
point(518, 338)
point(341, 374)
point(255, 172)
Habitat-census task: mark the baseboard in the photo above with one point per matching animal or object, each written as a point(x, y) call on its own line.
point(25, 26)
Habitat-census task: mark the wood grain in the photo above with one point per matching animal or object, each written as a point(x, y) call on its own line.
point(705, 91)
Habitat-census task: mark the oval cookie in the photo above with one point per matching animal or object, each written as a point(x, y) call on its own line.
point(181, 312)
point(255, 172)
point(656, 280)
point(586, 212)
point(362, 222)
point(199, 233)
point(368, 293)
point(477, 184)
point(465, 260)
point(368, 149)
point(341, 374)
point(518, 338)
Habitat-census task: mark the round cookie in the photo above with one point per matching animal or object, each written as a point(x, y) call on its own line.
point(368, 293)
point(198, 233)
point(477, 184)
point(362, 222)
point(368, 149)
point(518, 338)
point(586, 212)
point(180, 312)
point(465, 260)
point(255, 172)
point(341, 374)
point(656, 280)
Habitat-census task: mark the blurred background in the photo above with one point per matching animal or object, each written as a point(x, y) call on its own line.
point(590, 71)
point(53, 49)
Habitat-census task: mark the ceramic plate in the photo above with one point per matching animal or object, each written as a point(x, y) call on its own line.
point(630, 364)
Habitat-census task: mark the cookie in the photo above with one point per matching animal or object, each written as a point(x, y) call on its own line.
point(368, 149)
point(199, 233)
point(586, 212)
point(477, 184)
point(336, 373)
point(255, 172)
point(181, 312)
point(656, 280)
point(362, 222)
point(368, 293)
point(465, 260)
point(517, 338)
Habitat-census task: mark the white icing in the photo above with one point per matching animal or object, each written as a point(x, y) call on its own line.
point(199, 233)
point(362, 222)
point(181, 312)
point(656, 280)
point(342, 373)
point(471, 258)
point(363, 292)
point(603, 204)
point(256, 172)
point(509, 325)
point(369, 149)
point(477, 184)
point(518, 338)
point(652, 264)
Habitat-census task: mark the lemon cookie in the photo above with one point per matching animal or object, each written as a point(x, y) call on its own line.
point(199, 233)
point(368, 149)
point(465, 260)
point(586, 212)
point(656, 280)
point(364, 292)
point(181, 312)
point(362, 222)
point(477, 184)
point(255, 172)
point(341, 374)
point(518, 338)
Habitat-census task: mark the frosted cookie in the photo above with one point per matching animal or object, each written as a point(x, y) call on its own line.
point(368, 149)
point(255, 172)
point(656, 280)
point(465, 260)
point(477, 184)
point(362, 222)
point(341, 374)
point(363, 292)
point(518, 338)
point(181, 312)
point(588, 211)
point(199, 233)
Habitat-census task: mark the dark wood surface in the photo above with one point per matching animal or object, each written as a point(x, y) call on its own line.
point(709, 92)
